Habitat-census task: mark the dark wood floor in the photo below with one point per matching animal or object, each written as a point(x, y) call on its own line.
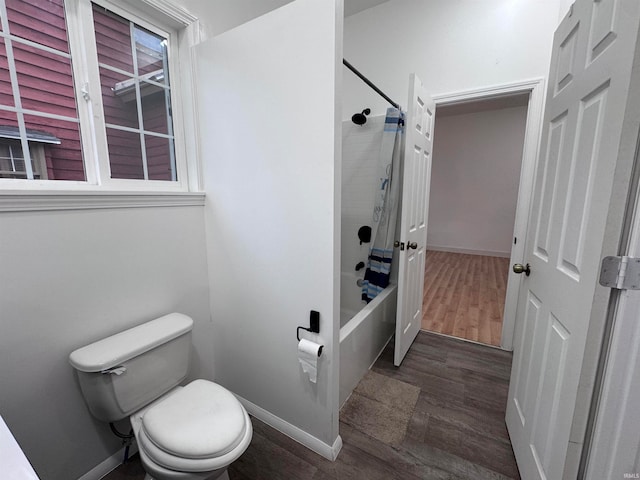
point(457, 429)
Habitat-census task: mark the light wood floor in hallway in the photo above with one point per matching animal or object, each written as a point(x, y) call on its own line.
point(464, 295)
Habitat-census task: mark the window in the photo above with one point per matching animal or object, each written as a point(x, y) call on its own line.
point(136, 97)
point(86, 97)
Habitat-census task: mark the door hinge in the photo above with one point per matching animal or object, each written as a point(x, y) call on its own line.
point(622, 273)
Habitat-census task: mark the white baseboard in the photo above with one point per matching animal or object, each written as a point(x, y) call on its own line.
point(110, 464)
point(329, 452)
point(488, 253)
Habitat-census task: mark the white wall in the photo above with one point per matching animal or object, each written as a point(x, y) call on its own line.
point(269, 125)
point(221, 15)
point(72, 277)
point(451, 45)
point(474, 181)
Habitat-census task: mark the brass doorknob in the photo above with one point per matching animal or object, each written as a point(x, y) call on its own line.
point(519, 268)
point(413, 245)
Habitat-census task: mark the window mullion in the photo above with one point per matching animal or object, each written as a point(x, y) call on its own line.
point(183, 102)
point(134, 53)
point(168, 107)
point(87, 88)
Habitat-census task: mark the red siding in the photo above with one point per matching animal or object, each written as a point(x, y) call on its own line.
point(41, 21)
point(113, 39)
point(158, 160)
point(125, 154)
point(45, 81)
point(64, 161)
point(8, 118)
point(6, 93)
point(116, 110)
point(154, 113)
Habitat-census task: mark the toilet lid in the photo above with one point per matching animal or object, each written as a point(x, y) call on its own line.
point(202, 420)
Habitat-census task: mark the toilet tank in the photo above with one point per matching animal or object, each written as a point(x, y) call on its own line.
point(122, 373)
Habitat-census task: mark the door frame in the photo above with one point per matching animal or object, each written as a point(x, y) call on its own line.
point(611, 415)
point(536, 88)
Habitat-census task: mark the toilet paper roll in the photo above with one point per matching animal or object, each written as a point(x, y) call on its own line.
point(308, 353)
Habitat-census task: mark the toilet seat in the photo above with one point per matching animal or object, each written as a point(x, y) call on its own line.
point(197, 428)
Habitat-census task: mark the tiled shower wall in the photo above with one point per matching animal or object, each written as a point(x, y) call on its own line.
point(360, 150)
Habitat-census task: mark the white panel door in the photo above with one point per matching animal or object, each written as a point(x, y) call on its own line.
point(587, 93)
point(415, 207)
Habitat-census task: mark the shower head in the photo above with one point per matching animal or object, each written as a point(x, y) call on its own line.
point(361, 118)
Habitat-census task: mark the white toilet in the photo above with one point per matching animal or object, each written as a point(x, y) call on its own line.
point(189, 433)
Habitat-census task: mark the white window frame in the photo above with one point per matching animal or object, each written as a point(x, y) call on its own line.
point(183, 31)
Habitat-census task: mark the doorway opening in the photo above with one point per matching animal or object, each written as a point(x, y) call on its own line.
point(485, 146)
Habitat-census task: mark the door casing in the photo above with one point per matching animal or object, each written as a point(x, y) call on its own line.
point(536, 90)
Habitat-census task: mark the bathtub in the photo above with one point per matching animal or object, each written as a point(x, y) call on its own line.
point(364, 330)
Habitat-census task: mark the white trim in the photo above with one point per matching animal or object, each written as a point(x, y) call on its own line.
point(162, 28)
point(536, 88)
point(329, 452)
point(486, 93)
point(88, 96)
point(169, 9)
point(108, 465)
point(468, 251)
point(613, 445)
point(187, 131)
point(47, 201)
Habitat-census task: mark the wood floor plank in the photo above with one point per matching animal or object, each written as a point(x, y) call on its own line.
point(464, 295)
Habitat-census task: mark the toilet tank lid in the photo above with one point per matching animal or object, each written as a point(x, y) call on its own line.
point(116, 349)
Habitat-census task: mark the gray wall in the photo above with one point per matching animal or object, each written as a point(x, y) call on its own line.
point(69, 278)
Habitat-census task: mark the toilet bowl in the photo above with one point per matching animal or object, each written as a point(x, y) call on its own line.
point(191, 432)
